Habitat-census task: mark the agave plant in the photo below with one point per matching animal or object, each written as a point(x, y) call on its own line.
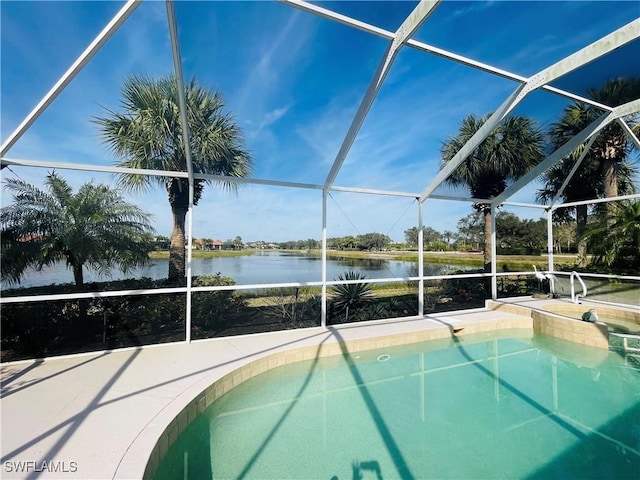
point(350, 296)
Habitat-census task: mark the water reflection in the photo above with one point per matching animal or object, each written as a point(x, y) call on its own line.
point(353, 416)
point(260, 268)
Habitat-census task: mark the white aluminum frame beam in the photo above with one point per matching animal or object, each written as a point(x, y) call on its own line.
point(71, 73)
point(582, 156)
point(380, 32)
point(186, 136)
point(627, 130)
point(494, 254)
point(576, 60)
point(550, 259)
point(5, 161)
point(411, 24)
point(567, 148)
point(373, 191)
point(597, 49)
point(526, 205)
point(159, 173)
point(338, 17)
point(477, 138)
point(597, 200)
point(420, 260)
point(20, 162)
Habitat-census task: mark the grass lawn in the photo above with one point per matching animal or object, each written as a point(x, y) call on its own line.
point(512, 262)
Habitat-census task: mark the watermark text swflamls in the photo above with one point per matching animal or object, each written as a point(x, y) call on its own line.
point(52, 466)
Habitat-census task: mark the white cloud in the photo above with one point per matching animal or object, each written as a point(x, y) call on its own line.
point(274, 115)
point(473, 8)
point(277, 53)
point(268, 119)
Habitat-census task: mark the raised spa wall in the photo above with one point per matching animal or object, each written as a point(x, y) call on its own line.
point(559, 326)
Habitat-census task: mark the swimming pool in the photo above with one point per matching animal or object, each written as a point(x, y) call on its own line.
point(479, 406)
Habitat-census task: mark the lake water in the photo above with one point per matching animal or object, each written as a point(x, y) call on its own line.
point(260, 268)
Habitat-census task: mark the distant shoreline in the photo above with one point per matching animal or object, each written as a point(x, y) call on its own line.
point(471, 259)
point(164, 254)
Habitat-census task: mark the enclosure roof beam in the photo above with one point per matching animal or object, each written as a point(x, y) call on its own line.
point(477, 138)
point(415, 19)
point(415, 195)
point(597, 49)
point(85, 167)
point(570, 146)
point(597, 200)
point(527, 205)
point(71, 73)
point(576, 60)
point(632, 136)
point(177, 67)
point(366, 27)
point(582, 156)
point(5, 162)
point(458, 199)
point(372, 191)
point(338, 17)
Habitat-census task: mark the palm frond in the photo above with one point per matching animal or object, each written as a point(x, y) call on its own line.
point(94, 227)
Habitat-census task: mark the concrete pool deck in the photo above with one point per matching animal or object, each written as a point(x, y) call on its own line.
point(101, 415)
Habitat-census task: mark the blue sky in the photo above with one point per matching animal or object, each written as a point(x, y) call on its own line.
point(294, 81)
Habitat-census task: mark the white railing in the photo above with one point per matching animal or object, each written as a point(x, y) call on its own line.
point(625, 341)
point(575, 297)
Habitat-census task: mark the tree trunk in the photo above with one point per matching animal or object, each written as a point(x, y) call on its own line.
point(487, 239)
point(77, 275)
point(79, 326)
point(177, 256)
point(610, 184)
point(581, 226)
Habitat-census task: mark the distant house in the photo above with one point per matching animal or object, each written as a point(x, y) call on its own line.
point(160, 243)
point(207, 244)
point(31, 238)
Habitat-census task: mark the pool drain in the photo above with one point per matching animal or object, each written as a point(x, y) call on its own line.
point(384, 357)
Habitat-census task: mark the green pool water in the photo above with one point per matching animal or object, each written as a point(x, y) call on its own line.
point(480, 406)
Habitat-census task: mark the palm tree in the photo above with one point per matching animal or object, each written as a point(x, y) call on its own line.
point(616, 239)
point(148, 135)
point(509, 151)
point(92, 228)
point(448, 235)
point(611, 148)
point(586, 184)
point(605, 170)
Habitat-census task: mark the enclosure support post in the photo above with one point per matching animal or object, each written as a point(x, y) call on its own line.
point(550, 239)
point(323, 303)
point(494, 278)
point(177, 66)
point(420, 262)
